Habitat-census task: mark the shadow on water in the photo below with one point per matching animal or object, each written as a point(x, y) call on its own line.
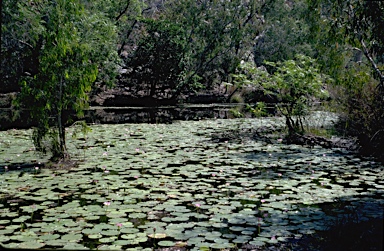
point(20, 167)
point(354, 225)
point(344, 226)
point(340, 221)
point(120, 115)
point(167, 114)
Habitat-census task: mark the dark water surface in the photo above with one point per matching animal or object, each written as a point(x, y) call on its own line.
point(121, 115)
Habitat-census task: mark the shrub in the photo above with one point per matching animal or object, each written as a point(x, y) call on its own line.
point(260, 110)
point(236, 112)
point(295, 84)
point(363, 115)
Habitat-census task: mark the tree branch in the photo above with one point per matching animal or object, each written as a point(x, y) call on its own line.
point(25, 43)
point(374, 65)
point(122, 12)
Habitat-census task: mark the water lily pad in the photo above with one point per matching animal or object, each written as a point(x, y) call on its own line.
point(107, 239)
point(128, 230)
point(4, 222)
point(129, 236)
point(31, 245)
point(90, 231)
point(72, 237)
point(221, 245)
point(236, 184)
point(122, 242)
point(49, 237)
point(137, 215)
point(242, 239)
point(75, 246)
point(110, 232)
point(166, 243)
point(109, 247)
point(237, 229)
point(195, 240)
point(6, 231)
point(95, 236)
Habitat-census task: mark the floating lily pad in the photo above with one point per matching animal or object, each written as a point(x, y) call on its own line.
point(49, 237)
point(107, 239)
point(110, 232)
point(95, 236)
point(195, 240)
point(56, 243)
point(166, 243)
point(184, 185)
point(221, 245)
point(31, 245)
point(72, 237)
point(129, 236)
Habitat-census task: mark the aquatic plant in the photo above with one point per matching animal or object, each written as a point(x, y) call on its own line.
point(192, 190)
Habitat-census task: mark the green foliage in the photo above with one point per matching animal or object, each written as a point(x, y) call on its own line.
point(286, 32)
point(350, 39)
point(219, 35)
point(363, 115)
point(294, 83)
point(260, 110)
point(16, 55)
point(200, 43)
point(347, 25)
point(124, 14)
point(73, 46)
point(157, 65)
point(246, 74)
point(236, 112)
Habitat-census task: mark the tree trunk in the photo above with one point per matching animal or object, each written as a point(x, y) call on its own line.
point(231, 95)
point(290, 124)
point(62, 149)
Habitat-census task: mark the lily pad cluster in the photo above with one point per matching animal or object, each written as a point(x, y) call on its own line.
point(144, 186)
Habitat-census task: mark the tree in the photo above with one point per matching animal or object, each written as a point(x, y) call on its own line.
point(73, 49)
point(125, 14)
point(351, 48)
point(219, 35)
point(357, 24)
point(157, 64)
point(285, 32)
point(295, 83)
point(16, 57)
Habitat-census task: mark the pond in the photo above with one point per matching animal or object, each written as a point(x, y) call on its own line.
point(202, 185)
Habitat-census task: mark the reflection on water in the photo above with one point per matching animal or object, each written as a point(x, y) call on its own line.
point(164, 114)
point(117, 115)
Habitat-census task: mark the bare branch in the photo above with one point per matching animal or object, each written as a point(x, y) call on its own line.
point(374, 65)
point(25, 43)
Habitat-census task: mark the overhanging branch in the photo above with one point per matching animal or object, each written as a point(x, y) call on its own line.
point(374, 65)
